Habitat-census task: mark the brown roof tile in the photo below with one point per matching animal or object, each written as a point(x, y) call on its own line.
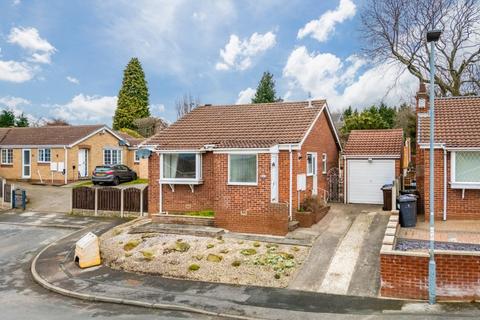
point(239, 126)
point(49, 135)
point(457, 122)
point(374, 143)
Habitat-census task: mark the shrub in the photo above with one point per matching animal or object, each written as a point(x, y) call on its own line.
point(256, 244)
point(194, 267)
point(132, 244)
point(312, 204)
point(210, 246)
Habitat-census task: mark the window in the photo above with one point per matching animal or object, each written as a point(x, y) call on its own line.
point(112, 156)
point(465, 169)
point(324, 163)
point(311, 164)
point(178, 167)
point(242, 169)
point(7, 156)
point(44, 155)
point(136, 157)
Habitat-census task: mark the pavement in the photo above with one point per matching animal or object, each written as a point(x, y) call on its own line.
point(344, 255)
point(54, 269)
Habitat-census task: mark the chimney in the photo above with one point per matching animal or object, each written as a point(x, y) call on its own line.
point(422, 105)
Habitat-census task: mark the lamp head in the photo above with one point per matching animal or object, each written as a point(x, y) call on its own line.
point(433, 35)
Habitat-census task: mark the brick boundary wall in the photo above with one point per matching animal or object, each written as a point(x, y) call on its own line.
point(404, 274)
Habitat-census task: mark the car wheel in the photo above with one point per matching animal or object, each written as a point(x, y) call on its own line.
point(94, 183)
point(116, 181)
point(134, 176)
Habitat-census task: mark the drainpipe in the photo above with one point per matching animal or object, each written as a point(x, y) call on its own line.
point(444, 184)
point(160, 209)
point(290, 200)
point(66, 165)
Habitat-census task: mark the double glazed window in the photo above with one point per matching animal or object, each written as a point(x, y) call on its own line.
point(44, 155)
point(324, 163)
point(136, 157)
point(181, 167)
point(7, 156)
point(311, 164)
point(242, 169)
point(466, 168)
point(112, 156)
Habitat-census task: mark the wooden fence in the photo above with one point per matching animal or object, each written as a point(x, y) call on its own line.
point(122, 202)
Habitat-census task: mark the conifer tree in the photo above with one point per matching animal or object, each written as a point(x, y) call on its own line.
point(266, 90)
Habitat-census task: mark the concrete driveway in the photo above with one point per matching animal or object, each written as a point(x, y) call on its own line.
point(344, 258)
point(47, 198)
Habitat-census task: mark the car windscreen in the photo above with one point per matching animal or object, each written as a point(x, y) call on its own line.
point(103, 169)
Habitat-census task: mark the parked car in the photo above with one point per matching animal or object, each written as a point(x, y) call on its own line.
point(114, 174)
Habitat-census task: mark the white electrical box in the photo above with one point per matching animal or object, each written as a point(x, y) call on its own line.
point(53, 166)
point(301, 182)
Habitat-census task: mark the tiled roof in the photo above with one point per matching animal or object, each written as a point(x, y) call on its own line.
point(375, 142)
point(45, 136)
point(457, 122)
point(131, 140)
point(239, 126)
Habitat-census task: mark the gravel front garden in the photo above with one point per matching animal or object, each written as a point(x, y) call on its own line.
point(211, 259)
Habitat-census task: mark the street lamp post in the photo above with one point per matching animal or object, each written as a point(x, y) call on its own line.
point(432, 37)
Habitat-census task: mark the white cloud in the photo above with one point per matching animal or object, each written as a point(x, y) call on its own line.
point(157, 108)
point(345, 83)
point(238, 54)
point(245, 96)
point(322, 28)
point(15, 71)
point(72, 80)
point(13, 102)
point(84, 108)
point(29, 39)
point(16, 2)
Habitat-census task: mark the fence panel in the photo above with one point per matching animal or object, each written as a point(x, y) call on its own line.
point(131, 199)
point(1, 187)
point(145, 199)
point(83, 198)
point(109, 199)
point(7, 196)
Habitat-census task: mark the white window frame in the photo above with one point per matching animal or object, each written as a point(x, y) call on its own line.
point(233, 183)
point(198, 170)
point(136, 158)
point(41, 155)
point(324, 163)
point(460, 185)
point(7, 151)
point(314, 164)
point(116, 150)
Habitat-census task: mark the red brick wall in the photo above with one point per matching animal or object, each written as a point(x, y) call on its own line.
point(153, 185)
point(406, 276)
point(457, 208)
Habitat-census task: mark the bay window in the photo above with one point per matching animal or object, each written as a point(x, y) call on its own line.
point(112, 156)
point(465, 171)
point(7, 156)
point(44, 155)
point(181, 168)
point(242, 169)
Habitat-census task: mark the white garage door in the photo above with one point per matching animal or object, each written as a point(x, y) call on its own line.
point(366, 178)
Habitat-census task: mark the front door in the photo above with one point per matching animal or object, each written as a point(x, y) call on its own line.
point(82, 163)
point(26, 163)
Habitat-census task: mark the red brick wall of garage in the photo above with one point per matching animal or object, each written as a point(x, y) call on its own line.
point(457, 208)
point(406, 276)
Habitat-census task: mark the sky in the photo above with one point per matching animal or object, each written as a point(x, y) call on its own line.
point(65, 59)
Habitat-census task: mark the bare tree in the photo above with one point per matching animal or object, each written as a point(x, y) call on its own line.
point(186, 104)
point(395, 30)
point(56, 122)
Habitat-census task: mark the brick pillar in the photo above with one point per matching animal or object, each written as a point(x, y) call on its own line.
point(153, 185)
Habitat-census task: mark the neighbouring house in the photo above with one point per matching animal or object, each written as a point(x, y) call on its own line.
point(61, 154)
point(134, 160)
point(456, 152)
point(372, 158)
point(251, 164)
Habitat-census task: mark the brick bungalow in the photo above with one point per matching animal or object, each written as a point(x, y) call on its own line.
point(61, 154)
point(371, 158)
point(242, 162)
point(457, 155)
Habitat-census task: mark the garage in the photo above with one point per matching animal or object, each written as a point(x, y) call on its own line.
point(372, 158)
point(366, 177)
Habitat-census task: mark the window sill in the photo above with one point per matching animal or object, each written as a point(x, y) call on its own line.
point(181, 181)
point(247, 184)
point(465, 185)
point(43, 163)
point(7, 164)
